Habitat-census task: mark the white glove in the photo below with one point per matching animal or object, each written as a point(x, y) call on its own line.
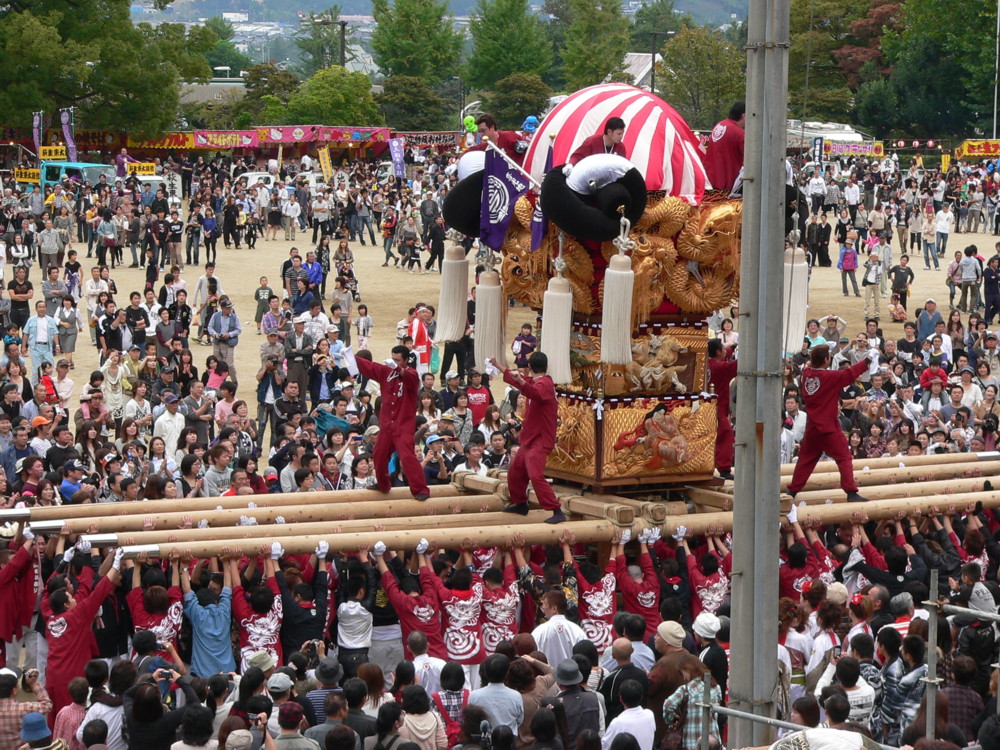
point(874, 353)
point(251, 521)
point(203, 523)
point(643, 536)
point(391, 363)
point(322, 549)
point(28, 534)
point(680, 533)
point(279, 519)
point(422, 546)
point(379, 549)
point(218, 507)
point(119, 554)
point(567, 170)
point(252, 505)
point(21, 504)
point(84, 546)
point(792, 515)
point(244, 521)
point(68, 555)
point(654, 535)
point(276, 550)
point(626, 536)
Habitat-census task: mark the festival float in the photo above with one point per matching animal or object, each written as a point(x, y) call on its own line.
point(636, 254)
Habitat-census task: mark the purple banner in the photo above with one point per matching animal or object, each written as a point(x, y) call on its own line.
point(36, 129)
point(396, 154)
point(502, 186)
point(66, 117)
point(539, 226)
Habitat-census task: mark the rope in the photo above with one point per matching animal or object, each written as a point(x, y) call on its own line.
point(559, 263)
point(622, 241)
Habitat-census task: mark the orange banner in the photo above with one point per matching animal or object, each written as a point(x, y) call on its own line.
point(168, 140)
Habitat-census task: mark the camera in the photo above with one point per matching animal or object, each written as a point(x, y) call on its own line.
point(163, 674)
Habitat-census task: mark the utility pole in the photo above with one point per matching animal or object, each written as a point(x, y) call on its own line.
point(754, 637)
point(652, 56)
point(343, 43)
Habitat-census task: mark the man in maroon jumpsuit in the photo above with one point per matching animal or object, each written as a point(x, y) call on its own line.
point(508, 141)
point(397, 419)
point(720, 373)
point(724, 150)
point(609, 141)
point(538, 438)
point(821, 389)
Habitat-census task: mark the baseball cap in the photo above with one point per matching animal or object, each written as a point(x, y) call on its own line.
point(270, 332)
point(239, 739)
point(39, 421)
point(170, 398)
point(290, 713)
point(226, 302)
point(451, 374)
point(434, 439)
point(279, 683)
point(73, 465)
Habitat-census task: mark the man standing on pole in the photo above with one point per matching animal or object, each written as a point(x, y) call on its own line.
point(821, 389)
point(538, 438)
point(720, 374)
point(397, 418)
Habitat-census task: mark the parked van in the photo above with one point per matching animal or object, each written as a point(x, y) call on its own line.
point(53, 171)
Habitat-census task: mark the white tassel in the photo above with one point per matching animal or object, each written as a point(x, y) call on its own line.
point(452, 307)
point(557, 320)
point(616, 323)
point(491, 313)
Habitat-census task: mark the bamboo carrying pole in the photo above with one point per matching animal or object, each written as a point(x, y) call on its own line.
point(194, 504)
point(320, 528)
point(835, 513)
point(888, 491)
point(484, 536)
point(831, 480)
point(331, 515)
point(888, 463)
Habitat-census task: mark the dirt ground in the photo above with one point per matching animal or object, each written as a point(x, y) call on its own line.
point(389, 292)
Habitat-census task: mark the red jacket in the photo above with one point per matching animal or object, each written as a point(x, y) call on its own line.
point(821, 392)
point(724, 154)
point(640, 598)
point(461, 612)
point(417, 612)
point(539, 429)
point(595, 145)
point(399, 396)
point(720, 374)
point(258, 632)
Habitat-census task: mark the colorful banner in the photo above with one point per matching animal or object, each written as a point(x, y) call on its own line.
point(502, 186)
point(99, 140)
point(181, 141)
point(49, 153)
point(141, 167)
point(36, 129)
point(67, 120)
point(310, 133)
point(324, 164)
point(869, 148)
point(396, 154)
point(225, 139)
point(432, 138)
point(945, 162)
point(27, 175)
point(977, 148)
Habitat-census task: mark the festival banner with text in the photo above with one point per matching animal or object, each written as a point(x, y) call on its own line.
point(871, 148)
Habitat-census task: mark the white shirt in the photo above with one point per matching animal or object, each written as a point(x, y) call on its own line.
point(354, 626)
point(42, 330)
point(112, 716)
point(817, 186)
point(638, 722)
point(557, 637)
point(428, 669)
point(169, 427)
point(852, 194)
point(943, 221)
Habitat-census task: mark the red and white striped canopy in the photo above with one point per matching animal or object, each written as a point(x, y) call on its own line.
point(657, 140)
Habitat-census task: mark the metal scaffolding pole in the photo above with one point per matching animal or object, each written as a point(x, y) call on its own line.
point(754, 670)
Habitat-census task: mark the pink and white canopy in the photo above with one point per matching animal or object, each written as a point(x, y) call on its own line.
point(657, 140)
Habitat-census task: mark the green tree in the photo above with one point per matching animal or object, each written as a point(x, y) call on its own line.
point(659, 15)
point(221, 27)
point(410, 104)
point(701, 75)
point(318, 41)
point(415, 38)
point(818, 29)
point(516, 97)
point(596, 42)
point(333, 96)
point(558, 13)
point(225, 55)
point(115, 74)
point(507, 38)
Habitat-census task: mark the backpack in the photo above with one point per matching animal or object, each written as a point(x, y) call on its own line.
point(452, 728)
